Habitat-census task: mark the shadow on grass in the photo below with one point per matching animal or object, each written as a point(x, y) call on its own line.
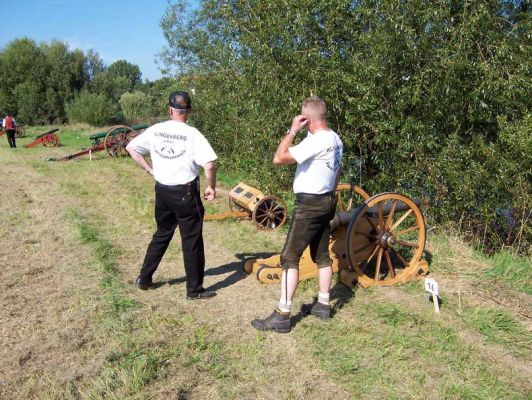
point(340, 296)
point(235, 267)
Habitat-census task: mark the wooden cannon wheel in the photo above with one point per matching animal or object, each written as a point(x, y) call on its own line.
point(51, 140)
point(20, 131)
point(345, 196)
point(115, 142)
point(385, 240)
point(270, 213)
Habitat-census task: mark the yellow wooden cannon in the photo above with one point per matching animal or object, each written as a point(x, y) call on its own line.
point(267, 212)
point(380, 242)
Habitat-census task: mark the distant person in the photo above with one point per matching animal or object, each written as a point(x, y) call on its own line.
point(319, 159)
point(9, 124)
point(177, 151)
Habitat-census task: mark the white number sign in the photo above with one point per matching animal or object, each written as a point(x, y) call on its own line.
point(431, 286)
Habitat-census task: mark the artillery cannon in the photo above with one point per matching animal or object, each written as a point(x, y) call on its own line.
point(19, 131)
point(113, 141)
point(379, 243)
point(47, 139)
point(266, 212)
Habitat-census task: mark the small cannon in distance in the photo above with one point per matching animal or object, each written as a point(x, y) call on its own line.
point(379, 243)
point(266, 212)
point(19, 131)
point(47, 139)
point(113, 141)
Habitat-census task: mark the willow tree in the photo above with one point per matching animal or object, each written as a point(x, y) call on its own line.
point(430, 97)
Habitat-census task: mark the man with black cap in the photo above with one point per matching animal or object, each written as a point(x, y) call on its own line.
point(177, 151)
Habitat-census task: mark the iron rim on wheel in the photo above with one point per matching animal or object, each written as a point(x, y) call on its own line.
point(270, 213)
point(345, 198)
point(53, 141)
point(117, 139)
point(386, 239)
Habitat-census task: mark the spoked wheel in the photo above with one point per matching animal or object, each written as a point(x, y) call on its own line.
point(51, 141)
point(269, 213)
point(385, 240)
point(117, 139)
point(20, 131)
point(347, 197)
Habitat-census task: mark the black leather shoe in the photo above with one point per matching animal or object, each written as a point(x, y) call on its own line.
point(204, 294)
point(143, 285)
point(317, 309)
point(277, 322)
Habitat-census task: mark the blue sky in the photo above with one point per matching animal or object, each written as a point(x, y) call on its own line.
point(117, 29)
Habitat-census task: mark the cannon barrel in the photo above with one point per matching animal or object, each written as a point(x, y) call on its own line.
point(46, 133)
point(344, 217)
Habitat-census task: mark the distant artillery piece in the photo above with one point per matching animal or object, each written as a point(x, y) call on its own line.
point(47, 139)
point(379, 243)
point(266, 212)
point(19, 131)
point(113, 141)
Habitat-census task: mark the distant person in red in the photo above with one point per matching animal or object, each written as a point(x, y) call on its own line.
point(9, 125)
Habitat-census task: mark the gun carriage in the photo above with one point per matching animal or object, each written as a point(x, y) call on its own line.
point(266, 212)
point(113, 141)
point(378, 243)
point(47, 139)
point(19, 131)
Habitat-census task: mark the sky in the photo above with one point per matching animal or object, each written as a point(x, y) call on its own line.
point(116, 29)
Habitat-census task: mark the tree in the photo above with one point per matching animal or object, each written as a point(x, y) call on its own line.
point(94, 109)
point(23, 72)
point(130, 72)
point(136, 106)
point(93, 65)
point(416, 89)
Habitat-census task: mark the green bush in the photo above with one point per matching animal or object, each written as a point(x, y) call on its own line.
point(94, 109)
point(431, 99)
point(136, 106)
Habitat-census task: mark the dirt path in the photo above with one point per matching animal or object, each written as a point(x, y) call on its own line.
point(59, 339)
point(50, 296)
point(43, 282)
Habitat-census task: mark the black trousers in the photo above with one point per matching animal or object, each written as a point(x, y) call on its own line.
point(10, 133)
point(178, 206)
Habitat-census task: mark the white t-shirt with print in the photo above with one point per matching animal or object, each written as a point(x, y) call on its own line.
point(319, 158)
point(177, 151)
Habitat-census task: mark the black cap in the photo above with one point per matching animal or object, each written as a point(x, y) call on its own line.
point(179, 100)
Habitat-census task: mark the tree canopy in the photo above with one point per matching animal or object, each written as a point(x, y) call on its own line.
point(427, 96)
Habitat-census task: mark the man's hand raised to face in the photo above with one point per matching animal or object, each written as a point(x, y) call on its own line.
point(299, 122)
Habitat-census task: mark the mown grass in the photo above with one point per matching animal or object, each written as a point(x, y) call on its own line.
point(498, 326)
point(156, 346)
point(104, 256)
point(387, 351)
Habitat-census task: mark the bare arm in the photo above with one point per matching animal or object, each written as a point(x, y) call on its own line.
point(282, 155)
point(139, 159)
point(210, 175)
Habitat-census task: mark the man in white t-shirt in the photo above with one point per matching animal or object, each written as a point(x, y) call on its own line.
point(319, 161)
point(177, 152)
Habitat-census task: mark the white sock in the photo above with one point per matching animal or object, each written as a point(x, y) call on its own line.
point(323, 298)
point(285, 306)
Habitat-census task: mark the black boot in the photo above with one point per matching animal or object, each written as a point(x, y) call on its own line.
point(320, 310)
point(277, 322)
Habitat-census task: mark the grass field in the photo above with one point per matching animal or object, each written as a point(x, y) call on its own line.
point(73, 236)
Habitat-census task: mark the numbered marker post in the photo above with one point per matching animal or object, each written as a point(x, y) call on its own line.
point(431, 286)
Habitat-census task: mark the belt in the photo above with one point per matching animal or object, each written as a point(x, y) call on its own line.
point(190, 187)
point(315, 194)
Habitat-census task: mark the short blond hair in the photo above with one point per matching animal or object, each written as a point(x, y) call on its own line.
point(316, 107)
